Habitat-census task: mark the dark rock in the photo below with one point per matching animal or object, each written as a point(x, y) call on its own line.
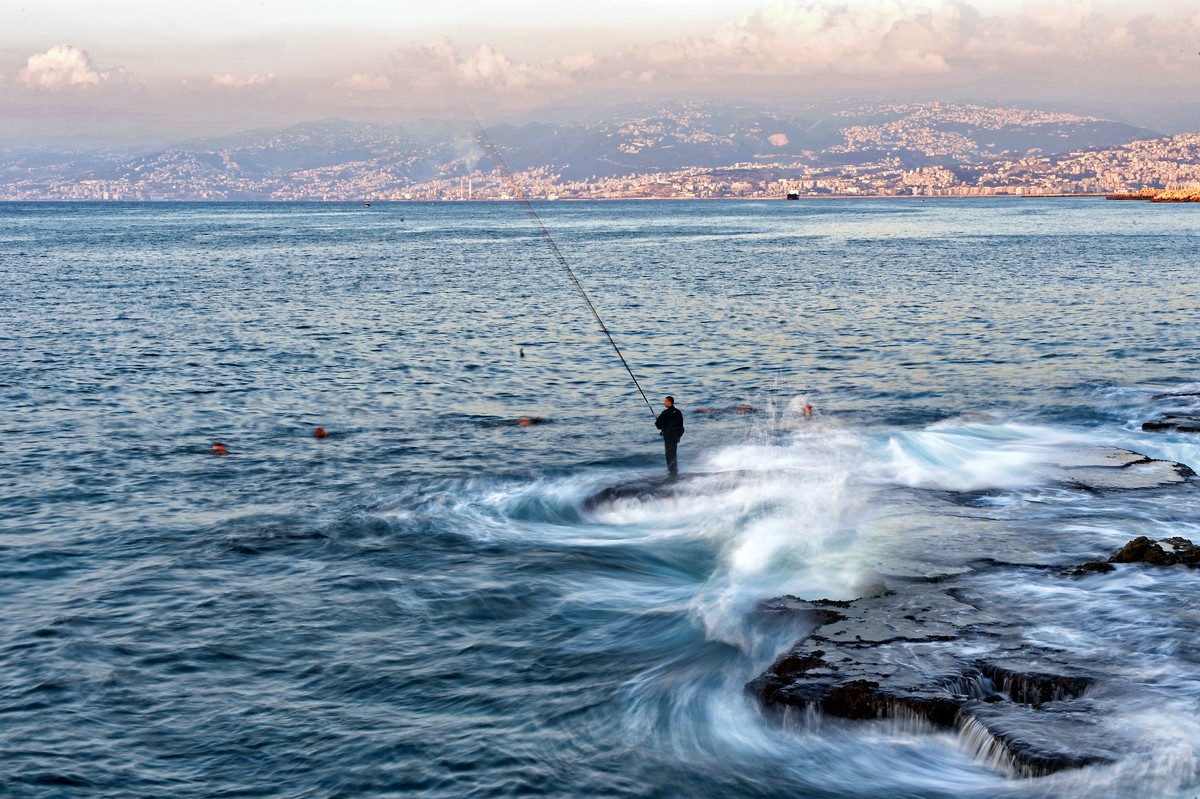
point(1032, 688)
point(647, 488)
point(650, 488)
point(1143, 550)
point(1166, 552)
point(1188, 553)
point(901, 655)
point(1091, 567)
point(1177, 422)
point(1176, 395)
point(791, 606)
point(1039, 740)
point(857, 699)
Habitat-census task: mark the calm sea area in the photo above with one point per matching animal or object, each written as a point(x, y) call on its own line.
point(430, 603)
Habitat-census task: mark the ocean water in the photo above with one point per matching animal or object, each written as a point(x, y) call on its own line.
point(427, 604)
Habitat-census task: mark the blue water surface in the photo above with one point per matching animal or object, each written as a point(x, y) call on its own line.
point(425, 603)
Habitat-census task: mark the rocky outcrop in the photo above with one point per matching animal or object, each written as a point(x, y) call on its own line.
point(1097, 469)
point(916, 651)
point(1175, 551)
point(1111, 468)
point(1166, 552)
point(1177, 196)
point(1160, 195)
point(926, 650)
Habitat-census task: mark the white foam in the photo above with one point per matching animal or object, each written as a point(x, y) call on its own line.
point(972, 456)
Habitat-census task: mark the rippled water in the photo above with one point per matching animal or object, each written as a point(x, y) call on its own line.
point(425, 603)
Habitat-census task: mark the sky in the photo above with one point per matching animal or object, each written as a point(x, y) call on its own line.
point(148, 72)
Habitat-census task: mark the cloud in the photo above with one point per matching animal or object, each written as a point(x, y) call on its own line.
point(884, 37)
point(1026, 48)
point(229, 81)
point(60, 67)
point(439, 63)
point(1062, 15)
point(363, 82)
point(910, 41)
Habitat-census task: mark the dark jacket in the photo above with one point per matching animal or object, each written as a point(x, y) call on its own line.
point(670, 422)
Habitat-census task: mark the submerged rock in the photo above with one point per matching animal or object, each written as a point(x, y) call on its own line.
point(1091, 567)
point(1176, 395)
point(1174, 422)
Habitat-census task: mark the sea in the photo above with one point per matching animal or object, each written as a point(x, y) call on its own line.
point(441, 600)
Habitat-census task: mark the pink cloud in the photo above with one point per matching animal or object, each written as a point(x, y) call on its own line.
point(60, 67)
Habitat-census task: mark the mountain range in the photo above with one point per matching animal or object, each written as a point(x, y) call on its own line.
point(337, 159)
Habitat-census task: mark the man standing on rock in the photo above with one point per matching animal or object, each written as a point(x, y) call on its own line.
point(670, 426)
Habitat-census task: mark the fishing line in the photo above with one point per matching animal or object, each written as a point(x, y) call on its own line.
point(493, 152)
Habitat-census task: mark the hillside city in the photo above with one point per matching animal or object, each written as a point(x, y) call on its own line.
point(926, 150)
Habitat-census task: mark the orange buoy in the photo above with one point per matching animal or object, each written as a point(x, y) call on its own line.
point(321, 432)
point(219, 449)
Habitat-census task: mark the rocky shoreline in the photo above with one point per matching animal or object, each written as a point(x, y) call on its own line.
point(932, 652)
point(1160, 195)
point(933, 649)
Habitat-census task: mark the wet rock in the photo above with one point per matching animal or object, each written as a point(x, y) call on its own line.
point(1143, 550)
point(1174, 422)
point(1018, 739)
point(1091, 567)
point(663, 486)
point(820, 611)
point(1176, 395)
point(1112, 469)
point(1167, 552)
point(919, 651)
point(643, 489)
point(925, 648)
point(1188, 553)
point(1103, 457)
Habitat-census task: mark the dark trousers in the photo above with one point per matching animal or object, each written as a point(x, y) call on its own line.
point(670, 446)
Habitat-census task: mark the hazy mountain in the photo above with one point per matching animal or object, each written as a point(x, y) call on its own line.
point(320, 159)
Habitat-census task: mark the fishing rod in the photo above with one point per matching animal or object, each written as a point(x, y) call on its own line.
point(493, 152)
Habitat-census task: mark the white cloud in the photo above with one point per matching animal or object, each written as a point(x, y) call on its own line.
point(229, 81)
point(60, 67)
point(909, 41)
point(438, 63)
point(364, 82)
point(876, 38)
point(1062, 15)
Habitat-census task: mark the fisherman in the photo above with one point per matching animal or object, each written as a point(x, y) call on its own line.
point(670, 426)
